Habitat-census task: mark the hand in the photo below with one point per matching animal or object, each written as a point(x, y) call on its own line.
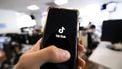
point(34, 58)
point(81, 62)
point(2, 56)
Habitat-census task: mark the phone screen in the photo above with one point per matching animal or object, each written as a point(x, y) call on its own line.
point(61, 31)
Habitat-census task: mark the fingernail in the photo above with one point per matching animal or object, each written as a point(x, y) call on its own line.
point(79, 67)
point(82, 47)
point(65, 55)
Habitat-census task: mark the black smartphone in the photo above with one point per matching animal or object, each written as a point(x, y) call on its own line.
point(61, 31)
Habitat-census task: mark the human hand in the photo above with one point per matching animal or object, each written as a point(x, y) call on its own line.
point(2, 56)
point(81, 62)
point(34, 58)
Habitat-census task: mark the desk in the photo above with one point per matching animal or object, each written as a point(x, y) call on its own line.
point(106, 57)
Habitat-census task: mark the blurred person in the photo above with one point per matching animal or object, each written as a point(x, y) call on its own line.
point(16, 51)
point(92, 30)
point(2, 56)
point(83, 35)
point(93, 39)
point(2, 51)
point(89, 25)
point(34, 58)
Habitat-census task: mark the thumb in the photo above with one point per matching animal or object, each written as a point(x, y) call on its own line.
point(36, 59)
point(52, 54)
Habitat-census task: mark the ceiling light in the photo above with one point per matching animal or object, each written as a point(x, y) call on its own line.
point(33, 7)
point(60, 2)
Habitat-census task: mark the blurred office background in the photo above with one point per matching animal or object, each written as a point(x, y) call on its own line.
point(22, 23)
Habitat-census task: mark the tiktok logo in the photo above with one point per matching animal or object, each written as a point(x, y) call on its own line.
point(61, 30)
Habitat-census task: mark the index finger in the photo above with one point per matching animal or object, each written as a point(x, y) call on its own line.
point(36, 47)
point(81, 48)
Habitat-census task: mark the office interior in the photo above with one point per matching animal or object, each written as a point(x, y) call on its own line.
point(100, 23)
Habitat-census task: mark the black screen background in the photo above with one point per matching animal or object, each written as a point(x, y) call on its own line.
point(56, 19)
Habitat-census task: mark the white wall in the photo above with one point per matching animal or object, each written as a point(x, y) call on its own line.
point(8, 18)
point(13, 21)
point(92, 13)
point(118, 13)
point(38, 18)
point(24, 20)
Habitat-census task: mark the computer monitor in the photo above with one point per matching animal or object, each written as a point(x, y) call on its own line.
point(112, 31)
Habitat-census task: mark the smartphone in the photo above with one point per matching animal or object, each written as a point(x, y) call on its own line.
point(61, 31)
